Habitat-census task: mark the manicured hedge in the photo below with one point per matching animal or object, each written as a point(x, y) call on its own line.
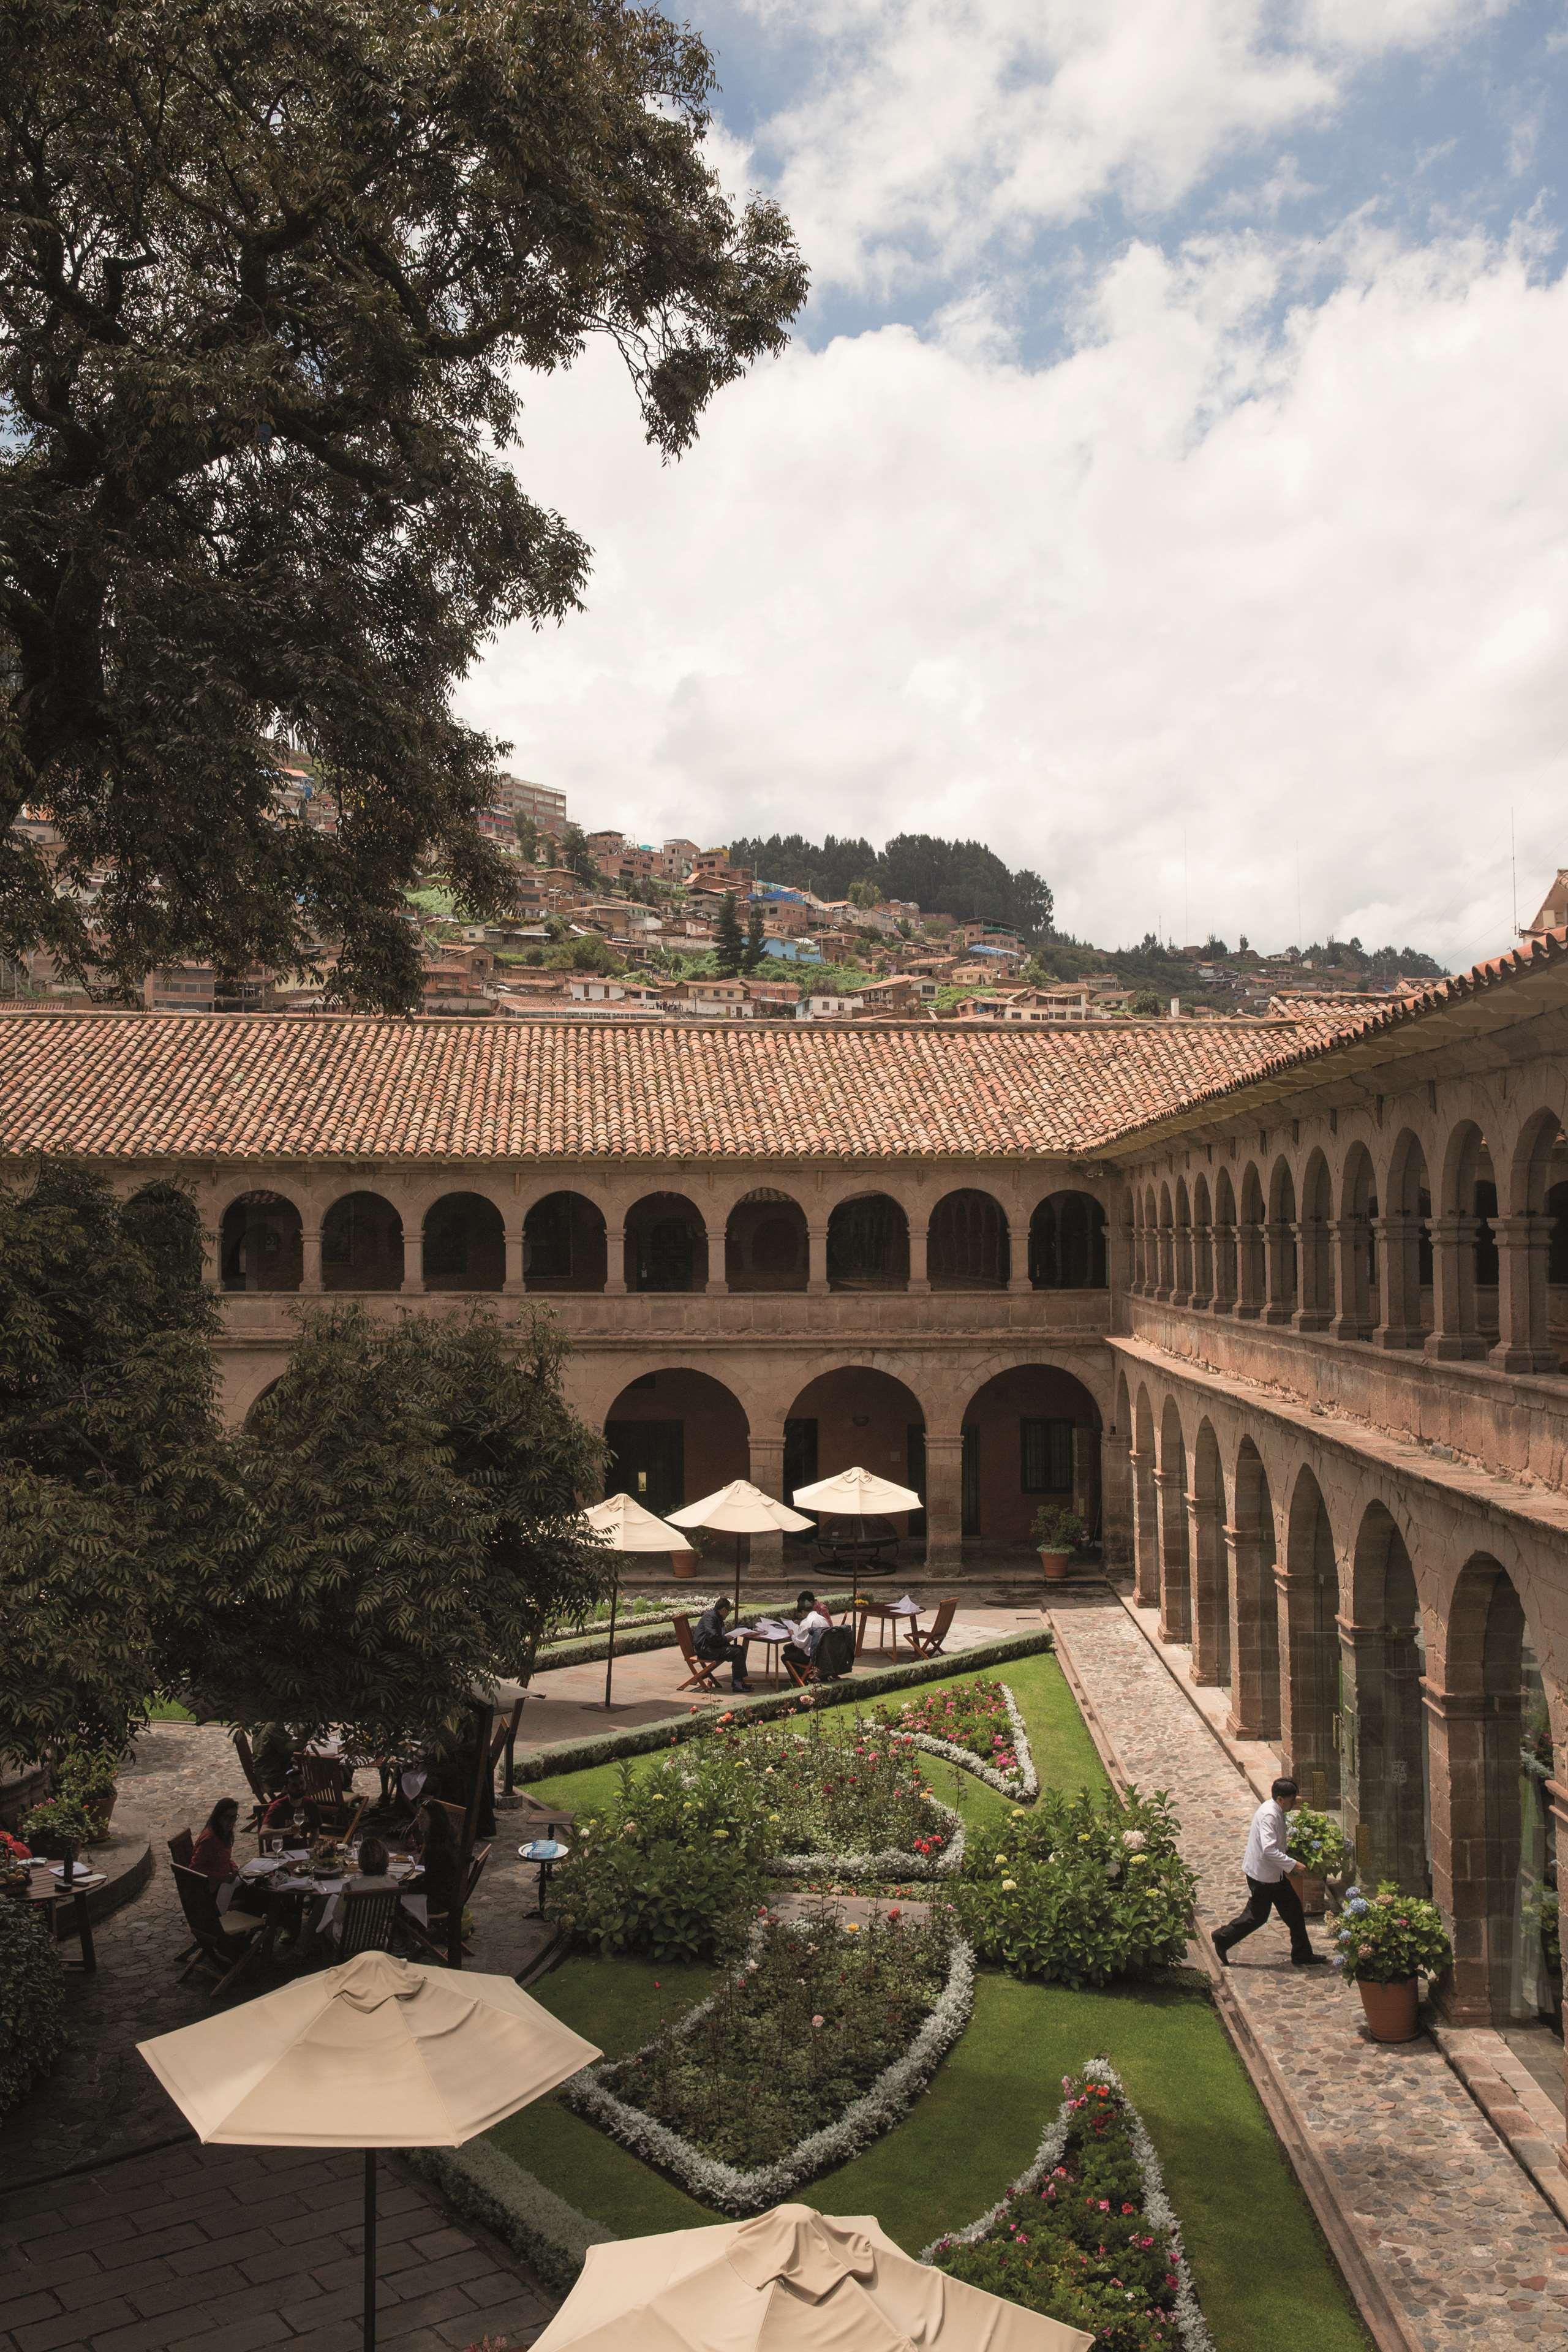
point(638, 1634)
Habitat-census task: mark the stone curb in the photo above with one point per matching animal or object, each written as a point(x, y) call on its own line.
point(1512, 2101)
point(1384, 2323)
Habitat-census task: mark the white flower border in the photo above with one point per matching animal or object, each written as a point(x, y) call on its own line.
point(876, 2111)
point(1191, 2325)
point(892, 1862)
point(1022, 1786)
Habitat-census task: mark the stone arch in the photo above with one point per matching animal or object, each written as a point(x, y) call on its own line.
point(361, 1243)
point(1182, 1229)
point(1255, 1707)
point(1225, 1244)
point(1150, 1242)
point(666, 1245)
point(565, 1245)
point(858, 1415)
point(1175, 1557)
point(1031, 1439)
point(1534, 1257)
point(675, 1434)
point(1309, 1649)
point(1315, 1305)
point(967, 1245)
point(1407, 1246)
point(1167, 1240)
point(1283, 1274)
point(464, 1244)
point(1381, 1662)
point(1211, 1595)
point(868, 1244)
point(1203, 1242)
point(261, 1244)
point(767, 1243)
point(1250, 1237)
point(1361, 1272)
point(1066, 1243)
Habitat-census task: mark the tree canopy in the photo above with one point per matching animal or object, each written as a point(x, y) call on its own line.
point(273, 276)
point(961, 878)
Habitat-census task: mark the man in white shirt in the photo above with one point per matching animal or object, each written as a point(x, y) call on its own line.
point(1267, 1866)
point(809, 1625)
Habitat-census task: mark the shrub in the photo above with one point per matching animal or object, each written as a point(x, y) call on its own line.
point(57, 1823)
point(1056, 1529)
point(972, 1716)
point(1319, 1843)
point(32, 2001)
point(1390, 1939)
point(669, 1871)
point(1080, 1893)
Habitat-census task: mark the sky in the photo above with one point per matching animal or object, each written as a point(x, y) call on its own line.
point(1166, 482)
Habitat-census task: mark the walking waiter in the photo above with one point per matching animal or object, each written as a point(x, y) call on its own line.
point(1268, 1866)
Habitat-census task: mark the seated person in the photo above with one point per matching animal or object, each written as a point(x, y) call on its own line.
point(213, 1853)
point(291, 1799)
point(274, 1746)
point(439, 1855)
point(373, 1866)
point(810, 1621)
point(709, 1643)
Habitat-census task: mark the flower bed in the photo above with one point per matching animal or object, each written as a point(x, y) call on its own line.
point(1079, 1892)
point(977, 1725)
point(835, 2029)
point(1088, 2235)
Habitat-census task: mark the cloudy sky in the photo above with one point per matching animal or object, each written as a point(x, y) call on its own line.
point(1167, 482)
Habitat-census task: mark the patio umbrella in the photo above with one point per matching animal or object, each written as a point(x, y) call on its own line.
point(376, 2053)
point(623, 1524)
point(740, 1509)
point(789, 2280)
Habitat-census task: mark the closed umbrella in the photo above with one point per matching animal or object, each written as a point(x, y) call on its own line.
point(623, 1524)
point(740, 1509)
point(790, 2281)
point(376, 2053)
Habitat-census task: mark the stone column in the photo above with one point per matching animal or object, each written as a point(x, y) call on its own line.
point(1308, 1716)
point(1401, 1323)
point(614, 1258)
point(920, 1237)
point(1253, 1705)
point(1116, 1533)
point(1224, 1269)
point(816, 1259)
point(1019, 1252)
point(1145, 1529)
point(513, 1283)
point(944, 1500)
point(1176, 1575)
point(1279, 1303)
point(1380, 1756)
point(310, 1271)
point(1315, 1296)
point(413, 1259)
point(1454, 1335)
point(1472, 1743)
point(1248, 1270)
point(766, 1471)
point(1165, 1263)
point(1347, 1238)
point(1522, 1296)
point(1181, 1265)
point(1203, 1267)
point(1210, 1615)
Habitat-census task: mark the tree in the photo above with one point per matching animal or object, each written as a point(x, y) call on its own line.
point(527, 831)
point(865, 892)
point(729, 947)
point(1147, 1004)
point(109, 1438)
point(415, 1487)
point(273, 278)
point(576, 856)
point(756, 945)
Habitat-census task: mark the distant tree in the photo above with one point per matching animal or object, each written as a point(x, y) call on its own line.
point(864, 893)
point(274, 274)
point(756, 944)
point(729, 945)
point(1243, 945)
point(1147, 1003)
point(527, 831)
point(576, 856)
point(1214, 948)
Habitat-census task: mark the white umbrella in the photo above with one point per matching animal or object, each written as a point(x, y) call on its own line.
point(740, 1509)
point(623, 1524)
point(376, 2053)
point(789, 2280)
point(852, 1494)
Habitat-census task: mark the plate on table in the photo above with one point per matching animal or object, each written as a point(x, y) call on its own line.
point(263, 1867)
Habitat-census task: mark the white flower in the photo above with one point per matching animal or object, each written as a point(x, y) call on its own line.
point(1134, 1838)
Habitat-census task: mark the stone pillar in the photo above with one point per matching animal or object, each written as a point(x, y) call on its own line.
point(1203, 1267)
point(1116, 1533)
point(1280, 1262)
point(1254, 1658)
point(1019, 1252)
point(310, 1271)
point(766, 1471)
point(1165, 1263)
point(1347, 1238)
point(413, 1260)
point(1210, 1613)
point(614, 1258)
point(1248, 1270)
point(1224, 1269)
point(816, 1259)
point(513, 1283)
point(1454, 1335)
point(944, 1500)
point(1176, 1575)
point(1472, 1743)
point(1181, 1265)
point(1314, 1298)
point(1522, 1296)
point(212, 1270)
point(1145, 1529)
point(1307, 1714)
point(1380, 1781)
point(920, 1237)
point(1401, 1323)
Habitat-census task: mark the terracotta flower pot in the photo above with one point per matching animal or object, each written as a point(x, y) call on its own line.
point(1390, 2009)
point(683, 1563)
point(1313, 1893)
point(1054, 1564)
point(99, 1810)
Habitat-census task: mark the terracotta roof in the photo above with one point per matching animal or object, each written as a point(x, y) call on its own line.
point(149, 1086)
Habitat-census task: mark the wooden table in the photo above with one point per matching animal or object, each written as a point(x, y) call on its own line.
point(772, 1633)
point(889, 1613)
point(47, 1889)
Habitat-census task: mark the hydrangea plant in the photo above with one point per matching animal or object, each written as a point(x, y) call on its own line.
point(1389, 1937)
point(1319, 1843)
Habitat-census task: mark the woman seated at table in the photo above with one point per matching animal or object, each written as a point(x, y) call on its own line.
point(439, 1855)
point(213, 1853)
point(811, 1622)
point(374, 1860)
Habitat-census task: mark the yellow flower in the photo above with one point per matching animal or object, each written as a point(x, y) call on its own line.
point(1009, 1887)
point(852, 1928)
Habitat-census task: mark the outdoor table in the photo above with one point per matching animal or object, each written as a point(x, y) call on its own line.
point(546, 1852)
point(889, 1613)
point(772, 1633)
point(46, 1888)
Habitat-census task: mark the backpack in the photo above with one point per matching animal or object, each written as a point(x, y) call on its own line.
point(834, 1653)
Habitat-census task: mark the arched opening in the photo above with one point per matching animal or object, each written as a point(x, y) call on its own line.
point(361, 1245)
point(675, 1436)
point(1383, 1743)
point(966, 1243)
point(766, 1244)
point(1407, 1268)
point(1168, 1282)
point(564, 1244)
point(1494, 1837)
point(1361, 1283)
point(1031, 1439)
point(256, 1402)
point(869, 1244)
point(1251, 1279)
point(1310, 1653)
point(1211, 1589)
point(1225, 1262)
point(1284, 1285)
point(857, 1416)
point(261, 1244)
point(1066, 1243)
point(465, 1244)
point(1175, 1557)
point(666, 1246)
point(1254, 1602)
point(1532, 1286)
point(1203, 1243)
point(1151, 1244)
point(1183, 1226)
point(1315, 1308)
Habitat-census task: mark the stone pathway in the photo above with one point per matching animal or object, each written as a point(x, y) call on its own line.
point(1463, 2249)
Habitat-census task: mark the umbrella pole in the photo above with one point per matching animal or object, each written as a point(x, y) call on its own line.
point(369, 2250)
point(738, 1541)
point(610, 1653)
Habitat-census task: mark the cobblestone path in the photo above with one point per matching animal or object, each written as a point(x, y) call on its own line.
point(1466, 2251)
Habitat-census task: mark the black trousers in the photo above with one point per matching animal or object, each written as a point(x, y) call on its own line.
point(1261, 1898)
point(735, 1652)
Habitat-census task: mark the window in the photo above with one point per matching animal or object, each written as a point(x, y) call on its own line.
point(1045, 1448)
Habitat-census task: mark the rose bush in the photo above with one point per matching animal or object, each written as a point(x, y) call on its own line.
point(1080, 1893)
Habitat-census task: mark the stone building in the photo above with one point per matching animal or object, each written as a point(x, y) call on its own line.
point(1282, 1306)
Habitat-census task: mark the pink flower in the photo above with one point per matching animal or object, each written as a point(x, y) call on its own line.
point(819, 2020)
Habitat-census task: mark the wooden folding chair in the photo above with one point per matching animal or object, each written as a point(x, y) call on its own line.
point(358, 1814)
point(181, 1845)
point(223, 1943)
point(929, 1644)
point(322, 1779)
point(703, 1669)
point(431, 1938)
point(369, 1916)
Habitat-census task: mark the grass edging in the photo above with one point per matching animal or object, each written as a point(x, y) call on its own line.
point(482, 2185)
point(642, 1738)
point(638, 1635)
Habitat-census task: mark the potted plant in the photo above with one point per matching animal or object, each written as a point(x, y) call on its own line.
point(1058, 1533)
point(58, 1828)
point(1321, 1848)
point(87, 1776)
point(1387, 1943)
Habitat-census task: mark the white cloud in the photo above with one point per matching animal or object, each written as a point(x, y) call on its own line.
point(1198, 582)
